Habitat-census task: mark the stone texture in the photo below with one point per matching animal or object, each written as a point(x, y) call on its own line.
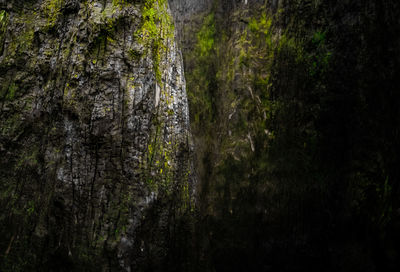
point(90, 140)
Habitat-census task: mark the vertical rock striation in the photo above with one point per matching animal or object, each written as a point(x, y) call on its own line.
point(94, 135)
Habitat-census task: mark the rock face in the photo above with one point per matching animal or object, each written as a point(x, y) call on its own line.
point(94, 141)
point(294, 115)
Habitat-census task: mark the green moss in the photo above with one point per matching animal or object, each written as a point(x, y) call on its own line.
point(319, 37)
point(11, 91)
point(206, 36)
point(3, 16)
point(26, 40)
point(119, 3)
point(156, 28)
point(159, 167)
point(3, 28)
point(134, 54)
point(262, 25)
point(320, 63)
point(21, 42)
point(52, 10)
point(204, 77)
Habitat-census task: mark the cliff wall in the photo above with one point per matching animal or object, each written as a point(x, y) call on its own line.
point(94, 142)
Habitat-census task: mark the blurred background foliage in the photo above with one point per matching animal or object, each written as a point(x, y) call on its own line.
point(295, 113)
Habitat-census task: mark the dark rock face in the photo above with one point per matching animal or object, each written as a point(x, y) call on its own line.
point(295, 115)
point(184, 8)
point(94, 141)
